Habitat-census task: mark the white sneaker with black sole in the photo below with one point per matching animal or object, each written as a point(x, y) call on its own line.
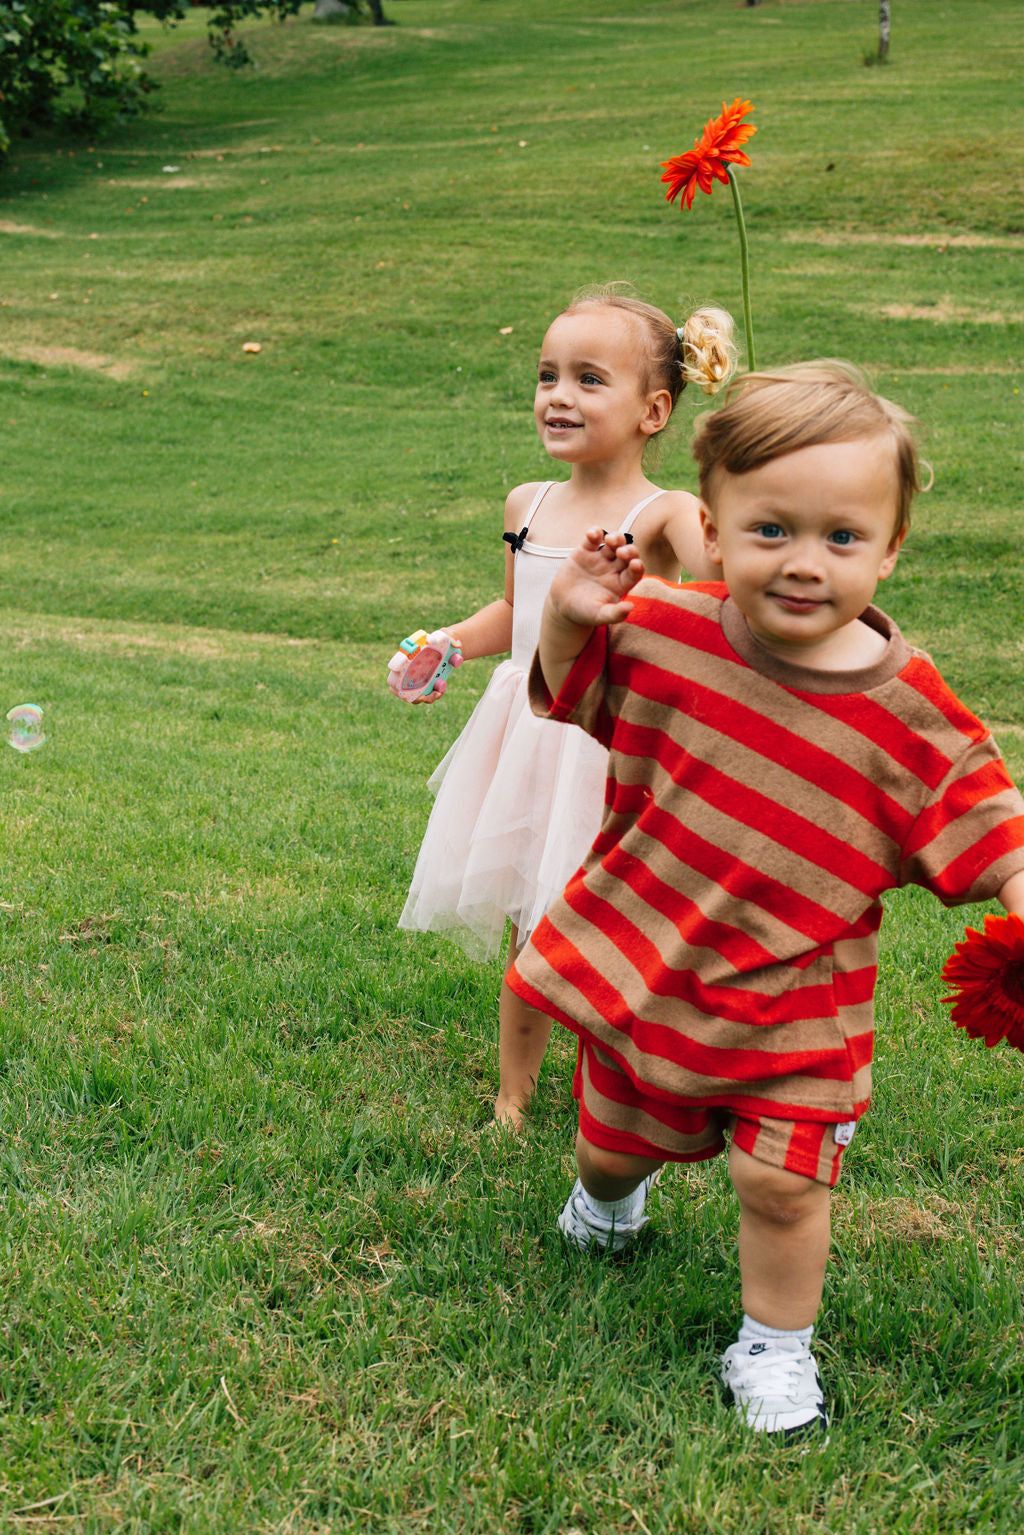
point(586, 1227)
point(776, 1386)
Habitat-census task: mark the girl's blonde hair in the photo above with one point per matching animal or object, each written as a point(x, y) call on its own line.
point(699, 352)
point(767, 415)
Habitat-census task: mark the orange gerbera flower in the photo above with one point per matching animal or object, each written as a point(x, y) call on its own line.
point(717, 147)
point(986, 971)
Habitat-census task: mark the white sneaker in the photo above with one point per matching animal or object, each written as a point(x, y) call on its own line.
point(584, 1227)
point(775, 1385)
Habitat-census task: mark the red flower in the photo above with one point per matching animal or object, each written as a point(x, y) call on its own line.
point(718, 146)
point(986, 972)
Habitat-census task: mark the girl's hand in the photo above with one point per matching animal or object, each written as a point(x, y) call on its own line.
point(418, 670)
point(590, 588)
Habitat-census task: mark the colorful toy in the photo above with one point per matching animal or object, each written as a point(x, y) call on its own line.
point(421, 664)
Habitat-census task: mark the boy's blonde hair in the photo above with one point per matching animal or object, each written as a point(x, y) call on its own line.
point(767, 415)
point(704, 354)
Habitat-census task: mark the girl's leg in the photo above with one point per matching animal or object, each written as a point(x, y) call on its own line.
point(785, 1230)
point(523, 1035)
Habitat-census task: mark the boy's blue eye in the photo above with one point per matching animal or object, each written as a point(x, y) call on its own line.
point(770, 530)
point(590, 378)
point(842, 536)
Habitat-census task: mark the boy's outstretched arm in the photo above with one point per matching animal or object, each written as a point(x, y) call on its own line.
point(1012, 894)
point(588, 590)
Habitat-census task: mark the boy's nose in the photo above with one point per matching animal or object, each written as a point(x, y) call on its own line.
point(802, 562)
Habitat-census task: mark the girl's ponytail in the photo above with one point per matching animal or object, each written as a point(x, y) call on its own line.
point(708, 352)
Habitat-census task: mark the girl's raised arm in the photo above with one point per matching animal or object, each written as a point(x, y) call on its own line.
point(1012, 894)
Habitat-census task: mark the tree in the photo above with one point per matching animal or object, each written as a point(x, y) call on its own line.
point(80, 61)
point(347, 10)
point(883, 30)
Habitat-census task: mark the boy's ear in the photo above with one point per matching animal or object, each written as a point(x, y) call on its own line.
point(892, 554)
point(710, 532)
point(659, 408)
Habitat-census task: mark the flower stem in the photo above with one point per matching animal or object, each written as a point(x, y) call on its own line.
point(744, 266)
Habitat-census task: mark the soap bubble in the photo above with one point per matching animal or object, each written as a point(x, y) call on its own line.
point(24, 727)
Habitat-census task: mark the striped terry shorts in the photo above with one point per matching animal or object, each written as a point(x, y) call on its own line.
point(616, 1115)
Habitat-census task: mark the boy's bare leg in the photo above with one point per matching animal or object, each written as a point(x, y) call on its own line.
point(523, 1035)
point(611, 1175)
point(785, 1230)
point(606, 1206)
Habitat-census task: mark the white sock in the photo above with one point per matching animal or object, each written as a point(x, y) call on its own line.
point(621, 1211)
point(754, 1332)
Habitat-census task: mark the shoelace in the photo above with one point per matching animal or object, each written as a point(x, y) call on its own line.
point(783, 1367)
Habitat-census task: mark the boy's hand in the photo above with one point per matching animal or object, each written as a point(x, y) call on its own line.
point(591, 587)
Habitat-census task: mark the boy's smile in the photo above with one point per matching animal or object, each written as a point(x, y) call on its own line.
point(803, 541)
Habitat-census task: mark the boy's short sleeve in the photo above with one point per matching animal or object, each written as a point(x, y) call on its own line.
point(969, 838)
point(582, 698)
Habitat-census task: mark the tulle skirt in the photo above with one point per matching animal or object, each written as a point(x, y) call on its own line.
point(518, 803)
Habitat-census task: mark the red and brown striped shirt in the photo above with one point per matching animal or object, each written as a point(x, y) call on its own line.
point(720, 940)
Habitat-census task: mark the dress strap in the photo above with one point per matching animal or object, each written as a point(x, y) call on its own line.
point(517, 540)
point(631, 517)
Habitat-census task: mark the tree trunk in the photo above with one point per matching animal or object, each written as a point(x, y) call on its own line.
point(883, 29)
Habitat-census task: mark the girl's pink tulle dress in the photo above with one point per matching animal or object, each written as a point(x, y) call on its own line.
point(518, 799)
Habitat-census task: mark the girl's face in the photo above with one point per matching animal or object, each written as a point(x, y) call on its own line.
point(803, 541)
point(592, 404)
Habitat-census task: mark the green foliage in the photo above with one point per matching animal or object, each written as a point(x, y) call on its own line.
point(78, 61)
point(225, 16)
point(75, 60)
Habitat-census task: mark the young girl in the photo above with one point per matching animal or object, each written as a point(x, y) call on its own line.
point(519, 799)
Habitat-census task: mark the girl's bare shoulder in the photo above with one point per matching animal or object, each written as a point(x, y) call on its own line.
point(669, 506)
point(517, 503)
point(670, 536)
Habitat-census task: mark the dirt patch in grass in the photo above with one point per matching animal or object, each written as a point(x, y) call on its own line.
point(836, 237)
point(945, 313)
point(924, 1221)
point(962, 370)
point(196, 644)
point(9, 227)
point(67, 357)
point(899, 1219)
point(159, 183)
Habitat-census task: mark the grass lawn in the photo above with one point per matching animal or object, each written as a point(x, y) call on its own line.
point(264, 1269)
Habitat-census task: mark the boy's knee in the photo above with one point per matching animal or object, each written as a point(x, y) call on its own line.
point(774, 1193)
